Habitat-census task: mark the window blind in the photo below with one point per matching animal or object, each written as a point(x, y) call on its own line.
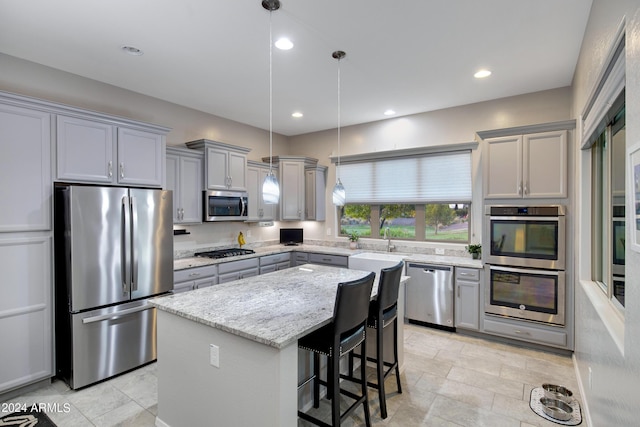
point(442, 177)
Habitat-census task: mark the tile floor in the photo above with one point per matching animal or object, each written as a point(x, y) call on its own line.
point(448, 380)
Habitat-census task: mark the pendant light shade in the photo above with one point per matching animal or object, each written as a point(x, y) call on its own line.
point(270, 187)
point(339, 194)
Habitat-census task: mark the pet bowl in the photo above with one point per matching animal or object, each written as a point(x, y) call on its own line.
point(556, 408)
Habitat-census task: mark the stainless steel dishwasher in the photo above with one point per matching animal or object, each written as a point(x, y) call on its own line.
point(429, 294)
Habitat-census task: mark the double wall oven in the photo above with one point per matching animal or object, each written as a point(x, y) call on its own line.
point(524, 256)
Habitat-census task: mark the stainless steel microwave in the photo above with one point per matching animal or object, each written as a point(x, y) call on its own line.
point(225, 206)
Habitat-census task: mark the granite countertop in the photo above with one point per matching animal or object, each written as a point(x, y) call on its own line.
point(190, 262)
point(273, 309)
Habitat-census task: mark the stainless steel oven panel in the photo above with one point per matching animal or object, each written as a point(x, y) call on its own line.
point(554, 264)
point(524, 312)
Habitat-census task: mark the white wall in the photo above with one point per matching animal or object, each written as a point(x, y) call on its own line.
point(612, 398)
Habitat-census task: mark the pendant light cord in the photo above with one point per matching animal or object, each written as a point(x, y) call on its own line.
point(270, 94)
point(338, 168)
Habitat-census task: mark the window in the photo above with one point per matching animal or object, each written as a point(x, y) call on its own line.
point(604, 135)
point(424, 197)
point(608, 207)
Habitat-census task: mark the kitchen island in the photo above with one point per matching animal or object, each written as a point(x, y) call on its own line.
point(228, 354)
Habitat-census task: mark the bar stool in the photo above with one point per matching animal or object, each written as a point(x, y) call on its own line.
point(383, 311)
point(346, 331)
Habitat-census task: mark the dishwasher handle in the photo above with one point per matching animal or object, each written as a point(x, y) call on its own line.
point(431, 268)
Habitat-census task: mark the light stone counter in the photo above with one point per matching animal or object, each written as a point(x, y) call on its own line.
point(456, 261)
point(273, 309)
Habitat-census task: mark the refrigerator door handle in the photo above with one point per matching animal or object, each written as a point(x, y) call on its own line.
point(134, 255)
point(114, 316)
point(126, 245)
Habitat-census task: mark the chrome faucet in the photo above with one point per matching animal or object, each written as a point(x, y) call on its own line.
point(387, 237)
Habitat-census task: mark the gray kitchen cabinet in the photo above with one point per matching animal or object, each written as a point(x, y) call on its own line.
point(195, 278)
point(258, 210)
point(275, 262)
point(184, 178)
point(525, 331)
point(327, 259)
point(94, 151)
point(235, 270)
point(526, 166)
point(301, 198)
point(26, 309)
point(299, 258)
point(25, 169)
point(225, 165)
point(315, 189)
point(26, 324)
point(467, 299)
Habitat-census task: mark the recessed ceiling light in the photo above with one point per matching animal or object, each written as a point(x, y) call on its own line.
point(481, 74)
point(132, 50)
point(297, 114)
point(389, 113)
point(284, 43)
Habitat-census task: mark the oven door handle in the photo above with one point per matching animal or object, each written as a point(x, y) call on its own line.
point(525, 270)
point(525, 218)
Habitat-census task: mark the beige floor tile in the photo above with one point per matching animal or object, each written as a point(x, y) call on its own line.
point(492, 383)
point(128, 415)
point(97, 400)
point(469, 415)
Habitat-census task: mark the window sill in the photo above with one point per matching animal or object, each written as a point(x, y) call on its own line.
point(609, 315)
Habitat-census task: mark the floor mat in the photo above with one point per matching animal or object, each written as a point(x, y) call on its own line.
point(26, 419)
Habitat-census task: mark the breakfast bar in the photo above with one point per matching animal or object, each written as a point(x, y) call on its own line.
point(228, 354)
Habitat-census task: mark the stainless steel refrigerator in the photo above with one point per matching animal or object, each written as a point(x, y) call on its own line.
point(113, 251)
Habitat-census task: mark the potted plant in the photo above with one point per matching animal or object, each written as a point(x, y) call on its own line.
point(474, 250)
point(353, 239)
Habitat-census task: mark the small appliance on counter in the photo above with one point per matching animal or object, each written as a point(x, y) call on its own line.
point(291, 236)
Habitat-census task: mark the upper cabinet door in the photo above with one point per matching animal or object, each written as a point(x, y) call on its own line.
point(85, 151)
point(25, 169)
point(292, 186)
point(217, 174)
point(503, 167)
point(140, 158)
point(545, 168)
point(237, 169)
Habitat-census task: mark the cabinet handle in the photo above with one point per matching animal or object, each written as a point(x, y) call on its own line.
point(110, 168)
point(194, 274)
point(519, 332)
point(181, 213)
point(520, 188)
point(121, 169)
point(526, 188)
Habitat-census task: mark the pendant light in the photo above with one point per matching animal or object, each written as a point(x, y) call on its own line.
point(339, 195)
point(270, 187)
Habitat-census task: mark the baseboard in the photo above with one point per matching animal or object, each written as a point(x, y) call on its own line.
point(586, 416)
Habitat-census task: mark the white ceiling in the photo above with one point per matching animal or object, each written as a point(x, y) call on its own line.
point(408, 55)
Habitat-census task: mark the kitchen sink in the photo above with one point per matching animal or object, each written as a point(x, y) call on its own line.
point(374, 261)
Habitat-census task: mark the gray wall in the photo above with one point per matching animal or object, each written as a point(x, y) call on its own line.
point(612, 398)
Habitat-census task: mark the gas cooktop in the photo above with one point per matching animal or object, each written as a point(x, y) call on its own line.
point(224, 253)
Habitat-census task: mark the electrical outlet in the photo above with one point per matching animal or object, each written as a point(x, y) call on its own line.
point(214, 355)
point(439, 251)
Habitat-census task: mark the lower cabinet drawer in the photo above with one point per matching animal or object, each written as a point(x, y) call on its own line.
point(526, 333)
point(194, 273)
point(337, 260)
